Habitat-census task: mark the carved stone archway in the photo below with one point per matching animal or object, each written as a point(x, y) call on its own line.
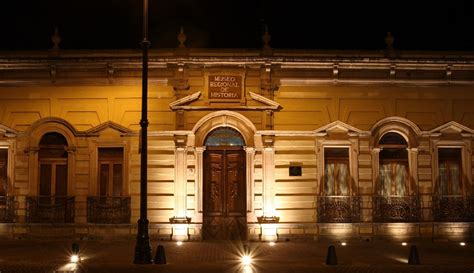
point(247, 129)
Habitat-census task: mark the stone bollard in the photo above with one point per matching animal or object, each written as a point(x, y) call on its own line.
point(246, 250)
point(160, 257)
point(413, 258)
point(331, 258)
point(75, 248)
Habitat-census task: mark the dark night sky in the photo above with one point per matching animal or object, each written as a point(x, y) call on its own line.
point(98, 24)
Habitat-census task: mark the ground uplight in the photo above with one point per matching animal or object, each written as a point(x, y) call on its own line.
point(74, 258)
point(246, 260)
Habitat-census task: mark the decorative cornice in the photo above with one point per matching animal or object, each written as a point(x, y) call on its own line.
point(443, 67)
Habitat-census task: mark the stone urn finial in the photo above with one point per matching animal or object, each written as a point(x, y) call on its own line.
point(56, 39)
point(181, 38)
point(266, 37)
point(389, 40)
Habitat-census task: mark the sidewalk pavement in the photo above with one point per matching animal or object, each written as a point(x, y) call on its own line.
point(117, 256)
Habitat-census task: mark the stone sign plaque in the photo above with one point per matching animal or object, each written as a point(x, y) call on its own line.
point(225, 87)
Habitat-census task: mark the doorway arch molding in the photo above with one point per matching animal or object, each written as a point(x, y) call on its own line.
point(33, 136)
point(221, 119)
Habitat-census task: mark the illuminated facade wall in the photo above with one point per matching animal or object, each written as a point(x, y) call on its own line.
point(291, 109)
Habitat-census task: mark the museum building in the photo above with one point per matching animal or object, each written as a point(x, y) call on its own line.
point(243, 144)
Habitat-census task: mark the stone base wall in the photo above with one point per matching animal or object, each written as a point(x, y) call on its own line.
point(337, 232)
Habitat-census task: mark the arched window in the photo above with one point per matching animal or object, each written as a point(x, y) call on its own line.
point(224, 136)
point(393, 166)
point(52, 205)
point(52, 166)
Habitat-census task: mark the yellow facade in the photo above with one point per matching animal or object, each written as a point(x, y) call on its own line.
point(294, 105)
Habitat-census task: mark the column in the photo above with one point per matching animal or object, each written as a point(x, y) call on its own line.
point(198, 152)
point(269, 220)
point(180, 182)
point(369, 216)
point(413, 165)
point(180, 220)
point(413, 190)
point(268, 164)
point(250, 155)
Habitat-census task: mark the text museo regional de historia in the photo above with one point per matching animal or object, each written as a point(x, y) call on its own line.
point(224, 84)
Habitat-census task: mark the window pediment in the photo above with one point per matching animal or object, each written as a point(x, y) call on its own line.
point(451, 128)
point(7, 131)
point(260, 103)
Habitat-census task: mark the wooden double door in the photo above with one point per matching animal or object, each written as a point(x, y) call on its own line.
point(224, 194)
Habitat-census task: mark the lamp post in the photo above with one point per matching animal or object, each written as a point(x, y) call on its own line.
point(142, 248)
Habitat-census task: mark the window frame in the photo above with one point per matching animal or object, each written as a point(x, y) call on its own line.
point(9, 168)
point(412, 159)
point(53, 161)
point(94, 184)
point(353, 149)
point(110, 162)
point(464, 166)
point(348, 160)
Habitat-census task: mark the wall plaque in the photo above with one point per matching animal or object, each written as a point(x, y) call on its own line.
point(225, 87)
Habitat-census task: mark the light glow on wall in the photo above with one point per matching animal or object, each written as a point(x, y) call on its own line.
point(340, 231)
point(269, 232)
point(399, 230)
point(180, 232)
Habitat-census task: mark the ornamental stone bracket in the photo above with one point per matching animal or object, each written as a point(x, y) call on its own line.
point(268, 84)
point(180, 141)
point(180, 80)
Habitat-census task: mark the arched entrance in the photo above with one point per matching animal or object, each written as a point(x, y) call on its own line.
point(224, 187)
